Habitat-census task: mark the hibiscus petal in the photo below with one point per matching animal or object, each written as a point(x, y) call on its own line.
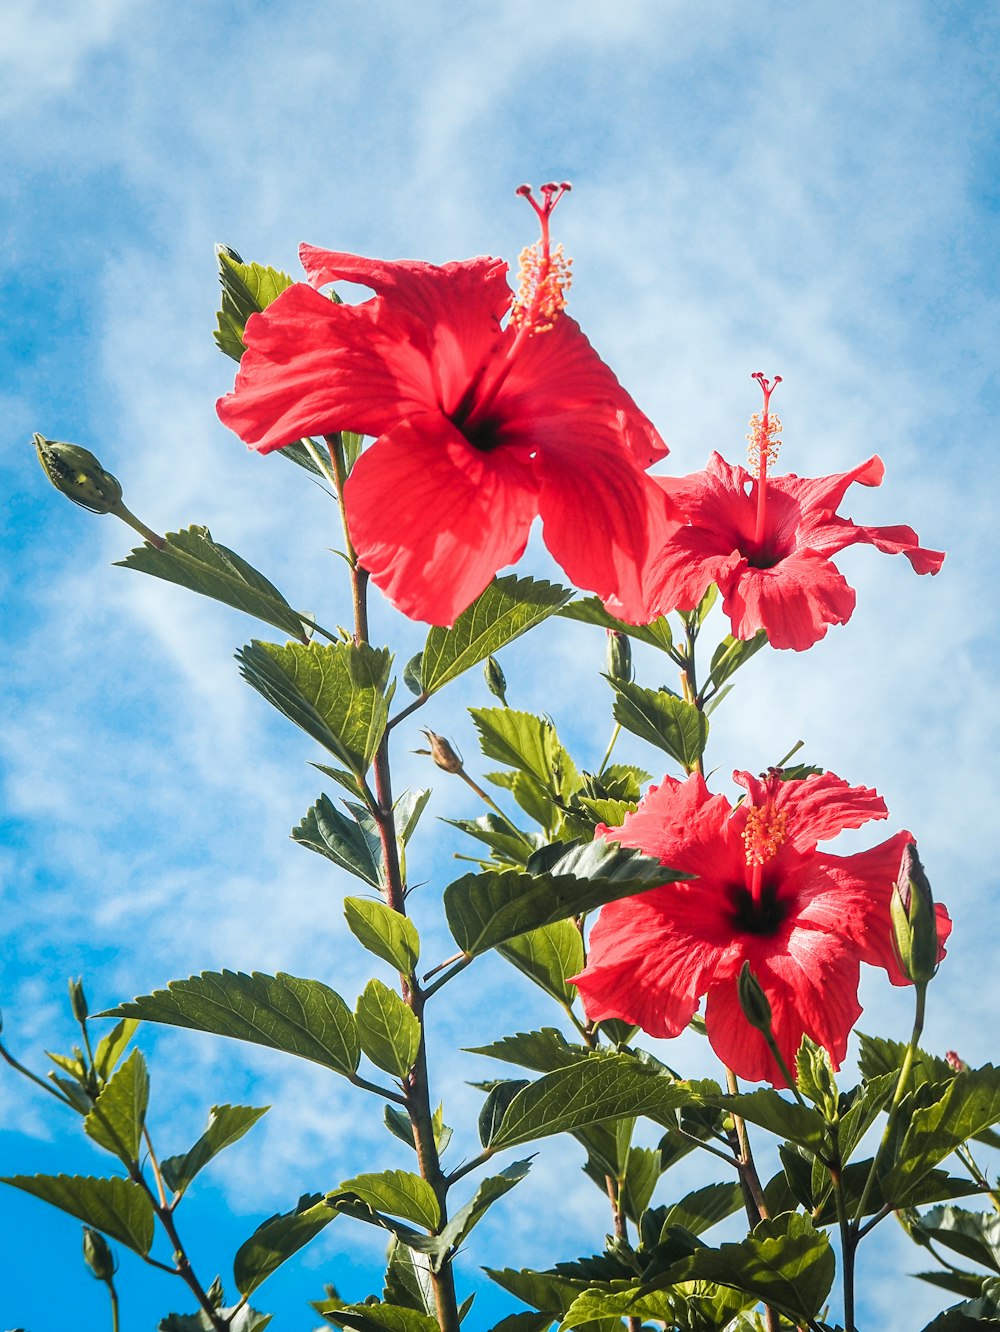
point(680, 571)
point(795, 601)
point(817, 808)
point(312, 367)
point(687, 828)
point(432, 519)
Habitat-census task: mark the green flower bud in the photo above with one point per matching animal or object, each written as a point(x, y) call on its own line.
point(97, 1255)
point(78, 475)
point(619, 658)
point(78, 1000)
point(914, 921)
point(496, 681)
point(753, 1000)
point(814, 1078)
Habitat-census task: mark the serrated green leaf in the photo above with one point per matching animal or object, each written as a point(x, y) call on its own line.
point(387, 1028)
point(406, 812)
point(974, 1235)
point(116, 1207)
point(878, 1056)
point(549, 1294)
point(344, 841)
point(487, 909)
point(381, 1318)
point(970, 1104)
point(544, 1050)
point(243, 1319)
point(785, 1262)
point(548, 955)
point(705, 1207)
point(731, 654)
point(110, 1048)
point(408, 1279)
point(642, 1173)
point(116, 1120)
point(337, 692)
point(490, 1190)
point(508, 608)
point(588, 610)
point(498, 1098)
point(529, 743)
point(226, 1125)
point(399, 1193)
point(191, 559)
point(301, 1017)
point(246, 290)
point(611, 813)
point(663, 720)
point(984, 1311)
point(787, 1119)
point(277, 1239)
point(602, 1087)
point(386, 933)
point(872, 1098)
point(509, 845)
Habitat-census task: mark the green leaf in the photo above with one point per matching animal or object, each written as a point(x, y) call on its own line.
point(878, 1056)
point(487, 909)
point(226, 1125)
point(524, 1322)
point(702, 1209)
point(342, 840)
point(522, 740)
point(387, 1028)
point(548, 955)
point(787, 1119)
point(974, 1235)
point(871, 1099)
point(490, 1190)
point(116, 1207)
point(110, 1048)
point(642, 1174)
point(548, 1293)
point(246, 289)
point(602, 1087)
point(301, 1017)
point(399, 1193)
point(731, 654)
point(544, 1050)
point(338, 692)
point(242, 1320)
point(275, 1240)
point(785, 1262)
point(509, 845)
point(193, 560)
point(408, 1279)
point(115, 1123)
point(381, 1318)
point(386, 933)
point(970, 1104)
point(508, 608)
point(663, 720)
point(588, 610)
point(495, 1106)
point(984, 1310)
point(406, 813)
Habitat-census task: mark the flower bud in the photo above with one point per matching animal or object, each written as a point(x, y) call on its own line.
point(97, 1255)
point(955, 1061)
point(619, 659)
point(914, 921)
point(496, 681)
point(753, 1000)
point(78, 1000)
point(78, 475)
point(442, 753)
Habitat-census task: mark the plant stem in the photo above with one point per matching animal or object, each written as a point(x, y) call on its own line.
point(611, 744)
point(114, 1306)
point(848, 1241)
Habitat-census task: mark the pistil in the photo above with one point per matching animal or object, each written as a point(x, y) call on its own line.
point(764, 444)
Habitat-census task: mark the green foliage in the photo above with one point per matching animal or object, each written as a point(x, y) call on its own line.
point(193, 560)
point(275, 1240)
point(116, 1207)
point(378, 1317)
point(588, 610)
point(974, 1235)
point(548, 955)
point(110, 1048)
point(408, 1278)
point(226, 1125)
point(388, 1031)
point(546, 773)
point(662, 719)
point(246, 289)
point(703, 1208)
point(338, 693)
point(302, 1017)
point(115, 1123)
point(244, 1319)
point(878, 1056)
point(488, 909)
point(984, 1311)
point(386, 933)
point(786, 1119)
point(508, 608)
point(731, 654)
point(510, 846)
point(544, 1050)
point(349, 843)
point(489, 1191)
point(399, 1193)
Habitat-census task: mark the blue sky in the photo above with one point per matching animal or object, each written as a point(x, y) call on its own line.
point(809, 190)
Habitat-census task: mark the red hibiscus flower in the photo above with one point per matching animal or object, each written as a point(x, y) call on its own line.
point(478, 428)
point(767, 541)
point(803, 919)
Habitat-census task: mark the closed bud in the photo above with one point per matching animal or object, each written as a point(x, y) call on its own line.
point(97, 1255)
point(914, 921)
point(441, 752)
point(619, 656)
point(78, 1000)
point(753, 1000)
point(955, 1061)
point(814, 1078)
point(76, 473)
point(496, 681)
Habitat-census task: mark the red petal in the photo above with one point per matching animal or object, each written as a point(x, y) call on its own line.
point(818, 807)
point(312, 367)
point(687, 828)
point(794, 601)
point(432, 519)
point(680, 572)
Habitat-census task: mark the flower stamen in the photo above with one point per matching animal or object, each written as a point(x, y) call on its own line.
point(765, 832)
point(763, 444)
point(545, 273)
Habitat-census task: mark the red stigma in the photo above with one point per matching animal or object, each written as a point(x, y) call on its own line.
point(544, 271)
point(766, 385)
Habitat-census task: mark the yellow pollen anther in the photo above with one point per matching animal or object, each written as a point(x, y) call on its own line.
point(765, 831)
point(759, 442)
point(543, 280)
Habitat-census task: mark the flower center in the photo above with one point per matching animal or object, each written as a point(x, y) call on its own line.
point(761, 915)
point(763, 449)
point(766, 830)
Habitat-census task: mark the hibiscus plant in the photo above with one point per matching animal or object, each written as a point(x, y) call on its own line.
point(443, 415)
